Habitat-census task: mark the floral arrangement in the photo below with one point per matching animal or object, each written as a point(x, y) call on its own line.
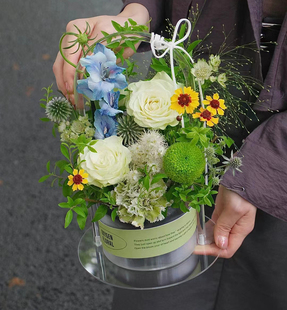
point(139, 148)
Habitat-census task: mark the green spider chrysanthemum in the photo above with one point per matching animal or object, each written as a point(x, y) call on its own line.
point(128, 129)
point(58, 109)
point(183, 162)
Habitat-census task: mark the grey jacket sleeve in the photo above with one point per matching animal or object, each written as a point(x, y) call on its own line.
point(263, 181)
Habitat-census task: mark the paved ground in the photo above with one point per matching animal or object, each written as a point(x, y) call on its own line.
point(39, 267)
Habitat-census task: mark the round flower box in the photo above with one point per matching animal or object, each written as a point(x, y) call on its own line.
point(159, 245)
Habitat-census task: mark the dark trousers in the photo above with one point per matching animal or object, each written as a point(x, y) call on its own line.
point(255, 278)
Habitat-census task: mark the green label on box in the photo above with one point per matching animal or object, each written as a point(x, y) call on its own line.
point(149, 242)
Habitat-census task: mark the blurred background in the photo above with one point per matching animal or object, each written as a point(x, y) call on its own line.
point(39, 266)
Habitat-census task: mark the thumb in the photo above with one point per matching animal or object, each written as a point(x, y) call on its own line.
point(223, 227)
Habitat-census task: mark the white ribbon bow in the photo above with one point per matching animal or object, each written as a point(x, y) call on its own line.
point(158, 43)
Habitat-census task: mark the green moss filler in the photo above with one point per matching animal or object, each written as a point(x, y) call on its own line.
point(183, 163)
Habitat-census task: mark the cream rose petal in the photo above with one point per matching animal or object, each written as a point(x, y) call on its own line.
point(149, 102)
point(109, 165)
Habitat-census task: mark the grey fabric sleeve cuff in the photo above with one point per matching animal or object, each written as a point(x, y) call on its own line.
point(263, 181)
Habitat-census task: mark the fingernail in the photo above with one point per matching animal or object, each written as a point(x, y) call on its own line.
point(222, 242)
point(67, 87)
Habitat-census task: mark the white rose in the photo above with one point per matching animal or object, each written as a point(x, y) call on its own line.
point(149, 102)
point(201, 70)
point(109, 165)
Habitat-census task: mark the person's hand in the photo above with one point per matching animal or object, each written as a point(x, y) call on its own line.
point(234, 217)
point(64, 72)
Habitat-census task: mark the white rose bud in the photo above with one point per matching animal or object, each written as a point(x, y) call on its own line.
point(110, 163)
point(62, 126)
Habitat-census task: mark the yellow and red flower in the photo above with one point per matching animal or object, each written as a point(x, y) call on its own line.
point(77, 179)
point(184, 100)
point(206, 116)
point(215, 104)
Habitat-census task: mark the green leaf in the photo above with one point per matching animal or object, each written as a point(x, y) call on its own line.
point(156, 189)
point(182, 31)
point(158, 177)
point(113, 45)
point(65, 151)
point(48, 166)
point(100, 213)
point(81, 221)
point(69, 169)
point(160, 68)
point(194, 141)
point(64, 205)
point(105, 34)
point(182, 139)
point(132, 22)
point(219, 151)
point(79, 201)
point(67, 190)
point(207, 202)
point(54, 130)
point(117, 26)
point(68, 218)
point(192, 46)
point(182, 197)
point(45, 119)
point(164, 212)
point(131, 45)
point(61, 164)
point(169, 193)
point(91, 149)
point(146, 180)
point(183, 208)
point(80, 211)
point(228, 141)
point(114, 214)
point(44, 178)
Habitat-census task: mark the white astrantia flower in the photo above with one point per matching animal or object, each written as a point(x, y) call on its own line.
point(62, 126)
point(72, 130)
point(78, 127)
point(214, 61)
point(222, 79)
point(201, 70)
point(212, 79)
point(149, 102)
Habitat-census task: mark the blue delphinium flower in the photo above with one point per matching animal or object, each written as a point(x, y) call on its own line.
point(105, 125)
point(105, 75)
point(109, 104)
